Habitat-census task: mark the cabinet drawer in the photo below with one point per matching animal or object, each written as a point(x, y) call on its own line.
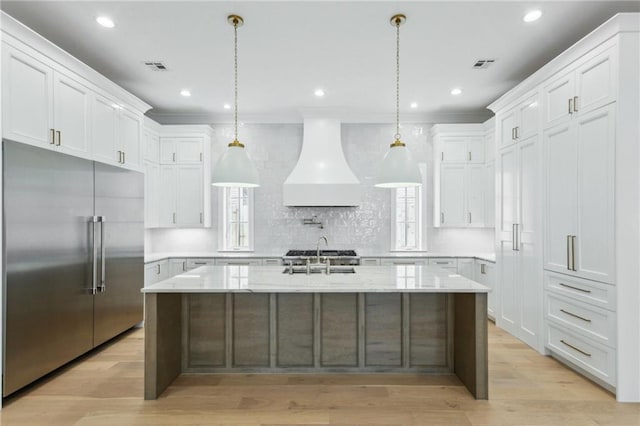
point(444, 262)
point(239, 262)
point(590, 321)
point(594, 293)
point(196, 263)
point(596, 359)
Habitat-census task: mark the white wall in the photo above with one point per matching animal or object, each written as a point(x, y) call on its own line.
point(275, 149)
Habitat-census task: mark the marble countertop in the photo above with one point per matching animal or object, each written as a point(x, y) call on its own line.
point(154, 257)
point(271, 279)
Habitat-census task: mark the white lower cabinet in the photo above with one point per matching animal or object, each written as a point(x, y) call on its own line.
point(449, 263)
point(485, 274)
point(156, 271)
point(177, 266)
point(404, 261)
point(240, 261)
point(580, 324)
point(466, 268)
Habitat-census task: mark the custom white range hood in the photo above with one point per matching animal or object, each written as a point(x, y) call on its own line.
point(322, 176)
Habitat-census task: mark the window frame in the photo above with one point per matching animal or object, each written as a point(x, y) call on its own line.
point(223, 222)
point(419, 215)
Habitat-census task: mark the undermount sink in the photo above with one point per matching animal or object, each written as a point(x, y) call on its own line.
point(316, 270)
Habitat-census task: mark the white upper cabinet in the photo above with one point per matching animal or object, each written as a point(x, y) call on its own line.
point(27, 98)
point(464, 149)
point(181, 150)
point(580, 188)
point(190, 196)
point(151, 146)
point(168, 195)
point(43, 107)
point(51, 100)
point(71, 116)
point(519, 122)
point(461, 183)
point(588, 84)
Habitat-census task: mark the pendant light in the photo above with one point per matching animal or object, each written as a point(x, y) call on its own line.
point(398, 168)
point(234, 168)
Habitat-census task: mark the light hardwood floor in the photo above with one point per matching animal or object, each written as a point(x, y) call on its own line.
point(105, 388)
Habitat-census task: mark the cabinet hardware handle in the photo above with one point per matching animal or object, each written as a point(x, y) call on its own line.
point(184, 265)
point(158, 273)
point(574, 288)
point(124, 157)
point(441, 217)
point(174, 218)
point(53, 136)
point(569, 253)
point(573, 253)
point(575, 316)
point(469, 155)
point(437, 263)
point(574, 348)
point(513, 133)
point(200, 217)
point(201, 157)
point(570, 106)
point(174, 157)
point(199, 263)
point(517, 132)
point(442, 156)
point(59, 133)
point(575, 104)
point(469, 217)
point(119, 157)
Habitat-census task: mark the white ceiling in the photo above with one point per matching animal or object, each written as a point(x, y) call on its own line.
point(288, 49)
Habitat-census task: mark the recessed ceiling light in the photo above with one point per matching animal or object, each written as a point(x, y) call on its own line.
point(319, 93)
point(185, 93)
point(531, 16)
point(414, 105)
point(456, 91)
point(227, 106)
point(105, 21)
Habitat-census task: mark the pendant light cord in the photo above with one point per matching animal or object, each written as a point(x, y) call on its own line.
point(235, 76)
point(398, 22)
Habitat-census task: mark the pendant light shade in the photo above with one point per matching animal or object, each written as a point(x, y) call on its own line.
point(398, 168)
point(234, 168)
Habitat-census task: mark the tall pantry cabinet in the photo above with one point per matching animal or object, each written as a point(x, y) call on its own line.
point(568, 207)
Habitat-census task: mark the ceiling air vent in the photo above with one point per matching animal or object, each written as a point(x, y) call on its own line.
point(155, 65)
point(483, 63)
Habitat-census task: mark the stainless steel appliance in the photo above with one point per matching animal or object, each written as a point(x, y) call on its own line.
point(336, 257)
point(74, 258)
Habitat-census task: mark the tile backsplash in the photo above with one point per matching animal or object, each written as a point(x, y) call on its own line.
point(275, 149)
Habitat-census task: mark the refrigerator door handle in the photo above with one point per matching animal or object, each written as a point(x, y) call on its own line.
point(94, 252)
point(103, 283)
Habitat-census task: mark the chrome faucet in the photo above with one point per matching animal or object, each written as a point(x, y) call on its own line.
point(326, 242)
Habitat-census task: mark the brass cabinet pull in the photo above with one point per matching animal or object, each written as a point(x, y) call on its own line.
point(573, 253)
point(574, 348)
point(53, 136)
point(575, 104)
point(59, 133)
point(574, 288)
point(569, 257)
point(570, 106)
point(575, 316)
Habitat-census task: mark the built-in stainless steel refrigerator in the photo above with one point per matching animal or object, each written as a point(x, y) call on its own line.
point(74, 258)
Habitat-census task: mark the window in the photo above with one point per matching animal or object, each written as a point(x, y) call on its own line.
point(407, 217)
point(237, 218)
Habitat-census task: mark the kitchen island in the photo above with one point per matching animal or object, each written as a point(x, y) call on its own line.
point(257, 319)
